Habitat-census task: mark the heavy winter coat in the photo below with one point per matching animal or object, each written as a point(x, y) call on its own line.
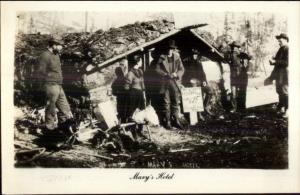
point(135, 80)
point(166, 67)
point(235, 68)
point(280, 71)
point(194, 69)
point(49, 68)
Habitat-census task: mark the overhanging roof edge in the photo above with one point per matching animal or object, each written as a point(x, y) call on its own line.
point(109, 61)
point(114, 59)
point(208, 44)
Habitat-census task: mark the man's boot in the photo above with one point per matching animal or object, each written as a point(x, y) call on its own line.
point(176, 120)
point(139, 132)
point(167, 121)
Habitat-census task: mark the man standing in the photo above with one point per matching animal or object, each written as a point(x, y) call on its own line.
point(170, 70)
point(195, 76)
point(50, 74)
point(235, 72)
point(243, 80)
point(118, 89)
point(280, 73)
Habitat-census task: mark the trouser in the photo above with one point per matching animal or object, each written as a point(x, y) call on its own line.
point(171, 103)
point(282, 91)
point(135, 100)
point(56, 98)
point(156, 102)
point(234, 95)
point(207, 95)
point(121, 107)
point(242, 92)
point(239, 97)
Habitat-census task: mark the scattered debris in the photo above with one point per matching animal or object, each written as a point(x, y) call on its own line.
point(95, 155)
point(250, 116)
point(180, 150)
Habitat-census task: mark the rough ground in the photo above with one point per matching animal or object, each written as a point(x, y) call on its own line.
point(257, 138)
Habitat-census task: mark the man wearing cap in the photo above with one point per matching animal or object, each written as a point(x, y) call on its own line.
point(170, 70)
point(235, 71)
point(195, 76)
point(280, 73)
point(50, 75)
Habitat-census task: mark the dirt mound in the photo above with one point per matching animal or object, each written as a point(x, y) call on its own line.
point(81, 50)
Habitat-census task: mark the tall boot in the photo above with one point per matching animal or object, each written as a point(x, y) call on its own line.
point(167, 120)
point(285, 105)
point(280, 102)
point(176, 119)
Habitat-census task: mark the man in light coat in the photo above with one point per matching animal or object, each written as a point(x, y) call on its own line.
point(170, 69)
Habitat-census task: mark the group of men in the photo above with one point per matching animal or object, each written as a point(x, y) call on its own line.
point(162, 85)
point(163, 78)
point(163, 81)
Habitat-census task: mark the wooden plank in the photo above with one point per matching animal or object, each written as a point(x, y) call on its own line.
point(261, 96)
point(193, 118)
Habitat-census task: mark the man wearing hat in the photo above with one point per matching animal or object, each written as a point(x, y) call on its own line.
point(195, 76)
point(235, 71)
point(118, 88)
point(170, 70)
point(245, 59)
point(280, 73)
point(50, 76)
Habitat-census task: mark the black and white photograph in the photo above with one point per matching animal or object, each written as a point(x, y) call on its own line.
point(142, 90)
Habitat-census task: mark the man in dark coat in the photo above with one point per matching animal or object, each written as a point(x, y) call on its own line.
point(235, 72)
point(195, 76)
point(152, 84)
point(119, 91)
point(50, 74)
point(170, 69)
point(280, 73)
point(243, 80)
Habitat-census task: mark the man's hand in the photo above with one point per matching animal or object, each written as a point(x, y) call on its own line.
point(70, 115)
point(268, 81)
point(180, 86)
point(272, 62)
point(174, 75)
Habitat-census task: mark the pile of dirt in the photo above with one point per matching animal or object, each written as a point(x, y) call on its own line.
point(81, 50)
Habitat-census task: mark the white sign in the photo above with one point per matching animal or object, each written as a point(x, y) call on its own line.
point(192, 99)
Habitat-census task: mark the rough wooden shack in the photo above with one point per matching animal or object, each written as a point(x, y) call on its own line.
point(99, 79)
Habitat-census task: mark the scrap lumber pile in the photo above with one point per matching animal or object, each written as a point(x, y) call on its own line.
point(106, 138)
